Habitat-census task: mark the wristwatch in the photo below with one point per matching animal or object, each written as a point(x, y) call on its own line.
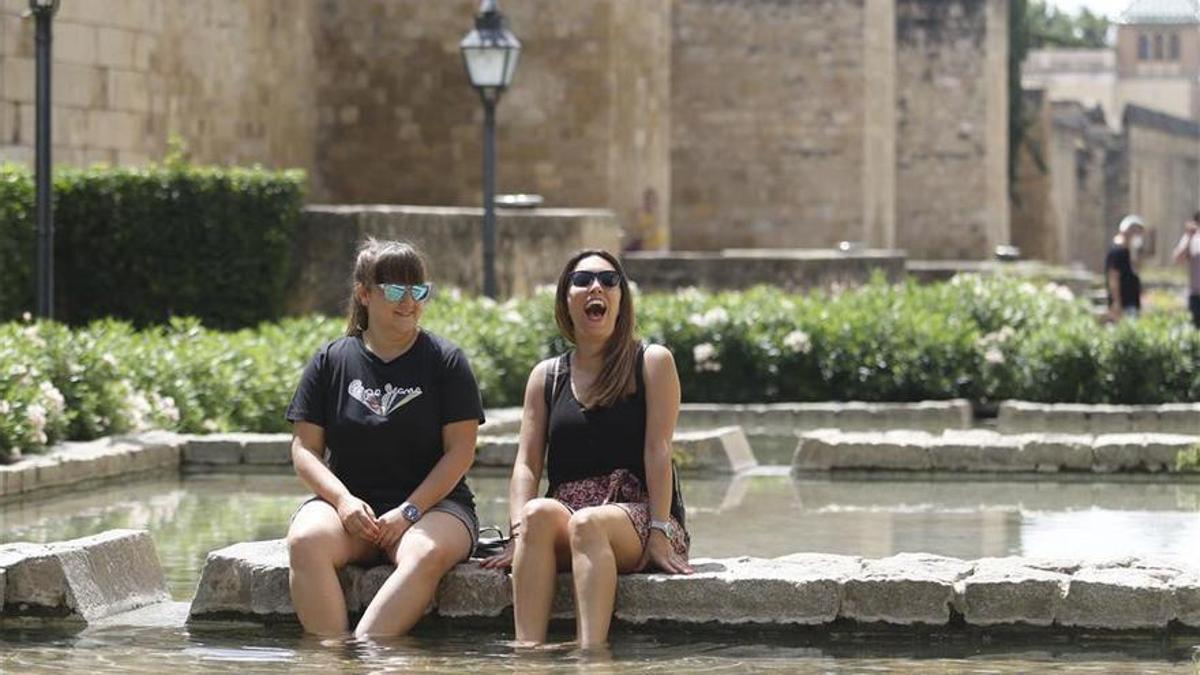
point(664, 526)
point(410, 512)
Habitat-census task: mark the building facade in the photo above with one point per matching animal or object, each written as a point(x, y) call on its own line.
point(703, 124)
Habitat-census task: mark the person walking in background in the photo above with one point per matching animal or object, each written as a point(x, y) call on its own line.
point(1121, 279)
point(600, 418)
point(397, 409)
point(1188, 251)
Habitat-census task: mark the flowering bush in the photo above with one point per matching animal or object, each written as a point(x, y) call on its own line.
point(985, 338)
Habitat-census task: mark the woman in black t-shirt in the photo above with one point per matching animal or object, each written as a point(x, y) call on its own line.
point(396, 410)
point(604, 413)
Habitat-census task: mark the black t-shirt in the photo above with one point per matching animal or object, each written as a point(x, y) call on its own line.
point(1131, 285)
point(383, 420)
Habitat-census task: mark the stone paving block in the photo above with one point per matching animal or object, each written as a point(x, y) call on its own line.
point(88, 578)
point(905, 589)
point(474, 591)
point(1179, 418)
point(810, 416)
point(724, 450)
point(214, 449)
point(1144, 419)
point(1186, 589)
point(1004, 591)
point(267, 449)
point(1117, 598)
point(858, 416)
point(498, 451)
point(732, 592)
point(3, 588)
point(1110, 419)
point(1055, 452)
point(501, 422)
point(1160, 451)
point(1117, 452)
point(1018, 417)
point(231, 574)
point(958, 450)
point(1067, 418)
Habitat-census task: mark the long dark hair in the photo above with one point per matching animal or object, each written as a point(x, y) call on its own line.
point(617, 377)
point(380, 262)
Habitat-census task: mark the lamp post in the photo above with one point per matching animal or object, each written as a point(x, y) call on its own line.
point(43, 11)
point(490, 53)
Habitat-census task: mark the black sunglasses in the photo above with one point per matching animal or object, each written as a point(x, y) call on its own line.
point(584, 278)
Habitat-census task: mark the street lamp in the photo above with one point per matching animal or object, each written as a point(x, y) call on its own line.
point(43, 11)
point(490, 53)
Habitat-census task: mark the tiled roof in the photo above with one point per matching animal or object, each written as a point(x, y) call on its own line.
point(1161, 12)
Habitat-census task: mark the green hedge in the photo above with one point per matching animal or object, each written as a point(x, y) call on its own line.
point(982, 338)
point(151, 243)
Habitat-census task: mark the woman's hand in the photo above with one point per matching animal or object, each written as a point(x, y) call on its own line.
point(503, 559)
point(358, 518)
point(392, 527)
point(662, 555)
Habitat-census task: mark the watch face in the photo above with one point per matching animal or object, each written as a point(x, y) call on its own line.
point(411, 513)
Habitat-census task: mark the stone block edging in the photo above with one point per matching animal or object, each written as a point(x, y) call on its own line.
point(249, 581)
point(721, 450)
point(989, 451)
point(82, 579)
point(760, 419)
point(1076, 418)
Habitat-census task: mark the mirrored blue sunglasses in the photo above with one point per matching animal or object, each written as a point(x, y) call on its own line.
point(396, 292)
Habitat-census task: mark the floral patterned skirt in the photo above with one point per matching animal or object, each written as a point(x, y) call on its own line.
point(620, 488)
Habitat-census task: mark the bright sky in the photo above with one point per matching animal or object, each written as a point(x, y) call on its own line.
point(1110, 8)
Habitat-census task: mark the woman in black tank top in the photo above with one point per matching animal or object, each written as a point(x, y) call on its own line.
point(604, 414)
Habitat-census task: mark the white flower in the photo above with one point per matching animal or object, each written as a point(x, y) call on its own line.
point(5, 407)
point(53, 397)
point(31, 333)
point(165, 408)
point(994, 356)
point(512, 316)
point(545, 289)
point(798, 341)
point(35, 415)
point(716, 316)
point(26, 317)
point(108, 359)
point(1060, 292)
point(1027, 288)
point(705, 356)
point(689, 293)
point(210, 426)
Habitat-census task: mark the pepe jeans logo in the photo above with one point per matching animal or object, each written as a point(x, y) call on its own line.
point(383, 402)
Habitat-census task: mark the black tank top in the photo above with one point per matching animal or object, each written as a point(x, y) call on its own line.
point(585, 443)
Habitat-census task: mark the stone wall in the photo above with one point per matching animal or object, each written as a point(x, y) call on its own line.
point(531, 247)
point(231, 78)
point(585, 124)
point(952, 127)
point(700, 123)
point(740, 269)
point(767, 123)
point(1164, 173)
point(1070, 187)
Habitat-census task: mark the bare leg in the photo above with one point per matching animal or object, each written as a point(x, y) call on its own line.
point(542, 550)
point(318, 546)
point(603, 543)
point(425, 553)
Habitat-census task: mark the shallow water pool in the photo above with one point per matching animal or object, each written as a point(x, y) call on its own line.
point(765, 513)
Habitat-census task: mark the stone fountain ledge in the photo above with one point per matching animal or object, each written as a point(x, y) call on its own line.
point(85, 580)
point(1073, 418)
point(250, 581)
point(980, 450)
